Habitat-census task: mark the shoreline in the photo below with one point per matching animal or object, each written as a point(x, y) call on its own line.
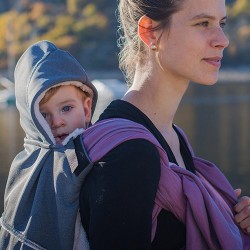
point(236, 74)
point(226, 74)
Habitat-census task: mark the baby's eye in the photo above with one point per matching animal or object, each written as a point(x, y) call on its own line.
point(66, 108)
point(44, 115)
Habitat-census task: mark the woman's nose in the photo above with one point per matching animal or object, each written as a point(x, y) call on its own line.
point(220, 39)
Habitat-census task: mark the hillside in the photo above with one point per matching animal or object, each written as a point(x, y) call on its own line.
point(88, 30)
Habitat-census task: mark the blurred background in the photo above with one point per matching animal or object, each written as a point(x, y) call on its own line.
point(216, 118)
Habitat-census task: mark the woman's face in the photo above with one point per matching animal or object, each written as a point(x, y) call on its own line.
point(192, 47)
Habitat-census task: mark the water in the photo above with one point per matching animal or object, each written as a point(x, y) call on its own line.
point(216, 120)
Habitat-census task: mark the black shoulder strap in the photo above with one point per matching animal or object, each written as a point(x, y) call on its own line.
point(185, 152)
point(81, 154)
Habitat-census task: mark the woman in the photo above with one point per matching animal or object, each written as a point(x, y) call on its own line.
point(165, 45)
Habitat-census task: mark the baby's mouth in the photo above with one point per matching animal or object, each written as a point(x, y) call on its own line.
point(60, 138)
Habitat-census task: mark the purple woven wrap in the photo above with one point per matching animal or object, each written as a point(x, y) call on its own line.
point(203, 202)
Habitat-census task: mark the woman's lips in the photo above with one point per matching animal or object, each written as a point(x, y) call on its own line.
point(215, 61)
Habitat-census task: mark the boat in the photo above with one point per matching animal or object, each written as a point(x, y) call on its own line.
point(7, 91)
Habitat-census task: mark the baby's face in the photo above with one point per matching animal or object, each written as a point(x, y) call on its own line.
point(65, 111)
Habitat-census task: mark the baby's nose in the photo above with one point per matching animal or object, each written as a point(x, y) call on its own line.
point(56, 121)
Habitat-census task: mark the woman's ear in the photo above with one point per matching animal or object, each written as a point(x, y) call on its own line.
point(145, 31)
point(88, 109)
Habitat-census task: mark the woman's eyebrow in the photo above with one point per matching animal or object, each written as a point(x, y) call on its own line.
point(203, 15)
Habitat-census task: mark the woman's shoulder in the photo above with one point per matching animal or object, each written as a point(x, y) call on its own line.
point(132, 160)
point(135, 151)
point(140, 145)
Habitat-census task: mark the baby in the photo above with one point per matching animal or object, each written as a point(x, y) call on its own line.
point(65, 108)
point(56, 101)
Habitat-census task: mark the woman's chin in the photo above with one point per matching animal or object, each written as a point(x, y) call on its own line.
point(208, 80)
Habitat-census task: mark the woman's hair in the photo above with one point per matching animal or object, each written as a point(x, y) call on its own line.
point(132, 49)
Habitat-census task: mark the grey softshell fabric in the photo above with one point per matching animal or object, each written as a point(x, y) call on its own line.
point(42, 192)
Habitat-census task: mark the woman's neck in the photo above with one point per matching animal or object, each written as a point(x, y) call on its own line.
point(157, 97)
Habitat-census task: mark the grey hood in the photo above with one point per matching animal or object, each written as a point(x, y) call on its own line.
point(41, 67)
point(41, 199)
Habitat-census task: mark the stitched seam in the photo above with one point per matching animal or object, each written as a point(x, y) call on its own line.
point(34, 69)
point(20, 236)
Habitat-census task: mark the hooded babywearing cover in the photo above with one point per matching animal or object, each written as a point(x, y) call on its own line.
point(42, 191)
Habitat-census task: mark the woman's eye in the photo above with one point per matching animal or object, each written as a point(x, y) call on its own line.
point(204, 24)
point(222, 25)
point(66, 108)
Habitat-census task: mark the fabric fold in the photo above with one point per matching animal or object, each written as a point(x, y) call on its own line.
point(203, 201)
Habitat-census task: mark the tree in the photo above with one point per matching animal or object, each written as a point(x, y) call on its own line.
point(73, 26)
